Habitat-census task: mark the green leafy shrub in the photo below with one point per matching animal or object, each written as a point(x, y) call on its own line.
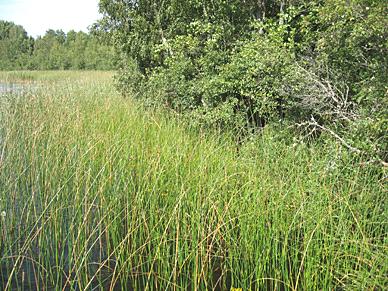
point(191, 61)
point(320, 66)
point(255, 79)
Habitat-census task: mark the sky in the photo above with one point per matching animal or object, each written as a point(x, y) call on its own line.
point(37, 16)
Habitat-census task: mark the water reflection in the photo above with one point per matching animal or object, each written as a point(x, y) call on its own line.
point(14, 88)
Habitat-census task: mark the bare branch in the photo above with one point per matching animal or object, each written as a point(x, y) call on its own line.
point(316, 125)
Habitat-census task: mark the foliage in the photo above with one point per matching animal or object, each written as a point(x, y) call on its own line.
point(15, 45)
point(318, 65)
point(53, 51)
point(139, 27)
point(347, 41)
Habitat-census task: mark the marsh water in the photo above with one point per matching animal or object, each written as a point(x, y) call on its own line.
point(14, 88)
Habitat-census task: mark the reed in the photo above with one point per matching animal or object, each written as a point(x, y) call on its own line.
point(98, 193)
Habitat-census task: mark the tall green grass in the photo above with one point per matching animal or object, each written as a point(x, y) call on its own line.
point(98, 193)
point(52, 76)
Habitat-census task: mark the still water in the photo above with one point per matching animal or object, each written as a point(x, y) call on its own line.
point(13, 88)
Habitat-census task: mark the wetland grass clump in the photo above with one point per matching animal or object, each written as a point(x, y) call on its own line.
point(98, 193)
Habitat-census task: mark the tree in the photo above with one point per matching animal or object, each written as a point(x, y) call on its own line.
point(52, 51)
point(139, 27)
point(14, 44)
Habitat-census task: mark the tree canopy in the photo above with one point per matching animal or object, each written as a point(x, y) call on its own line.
point(52, 51)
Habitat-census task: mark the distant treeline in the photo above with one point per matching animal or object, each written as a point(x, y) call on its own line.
point(55, 50)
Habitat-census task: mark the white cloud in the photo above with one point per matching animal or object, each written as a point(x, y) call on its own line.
point(37, 16)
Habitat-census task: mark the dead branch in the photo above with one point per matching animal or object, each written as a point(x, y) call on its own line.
point(314, 124)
